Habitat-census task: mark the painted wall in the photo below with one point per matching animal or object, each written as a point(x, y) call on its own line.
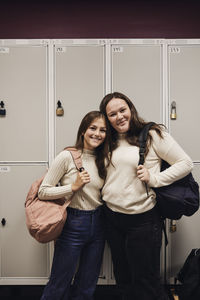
point(103, 19)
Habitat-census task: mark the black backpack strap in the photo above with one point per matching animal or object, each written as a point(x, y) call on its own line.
point(142, 145)
point(142, 139)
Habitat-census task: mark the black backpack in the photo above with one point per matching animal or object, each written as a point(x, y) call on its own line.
point(177, 199)
point(189, 276)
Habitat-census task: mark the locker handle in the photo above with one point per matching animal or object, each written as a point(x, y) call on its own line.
point(3, 222)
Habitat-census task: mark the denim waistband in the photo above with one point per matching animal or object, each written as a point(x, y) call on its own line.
point(77, 212)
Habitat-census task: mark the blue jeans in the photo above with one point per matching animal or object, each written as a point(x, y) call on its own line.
point(135, 243)
point(81, 245)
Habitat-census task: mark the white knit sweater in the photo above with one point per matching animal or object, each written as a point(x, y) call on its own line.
point(63, 170)
point(124, 192)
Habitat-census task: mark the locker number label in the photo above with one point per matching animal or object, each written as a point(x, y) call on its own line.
point(4, 169)
point(60, 49)
point(174, 50)
point(117, 49)
point(4, 50)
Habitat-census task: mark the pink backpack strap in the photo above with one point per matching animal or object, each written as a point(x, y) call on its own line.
point(76, 155)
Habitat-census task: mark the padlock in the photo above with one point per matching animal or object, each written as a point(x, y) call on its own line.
point(172, 226)
point(2, 109)
point(59, 110)
point(173, 115)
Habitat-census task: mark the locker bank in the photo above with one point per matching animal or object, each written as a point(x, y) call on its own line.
point(37, 76)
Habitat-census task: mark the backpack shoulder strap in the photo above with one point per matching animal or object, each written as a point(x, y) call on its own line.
point(76, 155)
point(142, 141)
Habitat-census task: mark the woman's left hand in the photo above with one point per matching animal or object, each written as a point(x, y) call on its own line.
point(143, 174)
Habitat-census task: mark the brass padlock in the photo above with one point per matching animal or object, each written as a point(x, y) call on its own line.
point(59, 110)
point(173, 115)
point(173, 226)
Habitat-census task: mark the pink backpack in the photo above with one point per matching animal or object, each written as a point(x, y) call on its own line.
point(45, 218)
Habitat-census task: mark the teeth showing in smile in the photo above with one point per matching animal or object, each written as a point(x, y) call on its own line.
point(95, 138)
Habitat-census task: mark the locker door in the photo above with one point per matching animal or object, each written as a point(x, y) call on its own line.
point(136, 72)
point(184, 90)
point(23, 90)
point(79, 87)
point(21, 256)
point(184, 77)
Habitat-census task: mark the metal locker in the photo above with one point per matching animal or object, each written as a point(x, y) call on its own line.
point(136, 71)
point(184, 76)
point(21, 256)
point(79, 87)
point(23, 90)
point(83, 71)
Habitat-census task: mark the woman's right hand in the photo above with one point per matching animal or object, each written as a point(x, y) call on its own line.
point(81, 179)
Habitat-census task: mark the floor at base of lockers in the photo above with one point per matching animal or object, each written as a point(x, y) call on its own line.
point(34, 293)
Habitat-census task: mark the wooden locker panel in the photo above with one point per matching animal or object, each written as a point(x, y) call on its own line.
point(186, 237)
point(184, 78)
point(23, 89)
point(137, 73)
point(79, 87)
point(21, 255)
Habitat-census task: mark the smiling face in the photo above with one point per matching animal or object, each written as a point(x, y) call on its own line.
point(119, 114)
point(95, 134)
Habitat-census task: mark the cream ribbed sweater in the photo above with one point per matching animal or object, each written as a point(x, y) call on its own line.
point(63, 170)
point(124, 192)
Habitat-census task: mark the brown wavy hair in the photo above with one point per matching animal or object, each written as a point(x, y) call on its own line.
point(101, 152)
point(136, 122)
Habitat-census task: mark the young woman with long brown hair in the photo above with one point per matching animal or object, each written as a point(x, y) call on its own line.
point(82, 239)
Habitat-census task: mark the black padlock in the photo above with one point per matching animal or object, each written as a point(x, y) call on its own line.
point(3, 222)
point(2, 109)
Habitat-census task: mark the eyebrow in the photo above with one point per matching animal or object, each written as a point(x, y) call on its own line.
point(113, 111)
point(102, 127)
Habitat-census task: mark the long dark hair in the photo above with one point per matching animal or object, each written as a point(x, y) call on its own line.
point(136, 122)
point(101, 152)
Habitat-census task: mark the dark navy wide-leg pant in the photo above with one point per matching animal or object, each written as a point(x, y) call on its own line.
point(77, 256)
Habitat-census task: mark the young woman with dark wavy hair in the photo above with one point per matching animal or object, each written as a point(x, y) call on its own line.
point(133, 225)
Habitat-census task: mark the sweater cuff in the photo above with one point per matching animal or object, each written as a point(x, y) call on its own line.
point(152, 180)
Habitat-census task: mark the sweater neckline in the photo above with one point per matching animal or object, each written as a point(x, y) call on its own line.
point(87, 151)
point(122, 136)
